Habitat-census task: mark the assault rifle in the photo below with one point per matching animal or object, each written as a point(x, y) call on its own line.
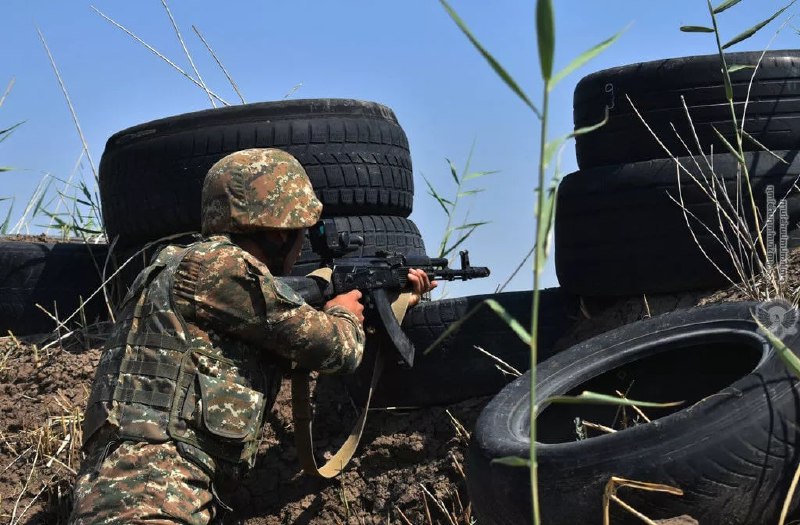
point(374, 276)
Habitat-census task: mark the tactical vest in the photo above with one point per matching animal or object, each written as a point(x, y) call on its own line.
point(155, 382)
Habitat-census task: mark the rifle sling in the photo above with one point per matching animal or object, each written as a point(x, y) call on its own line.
point(303, 414)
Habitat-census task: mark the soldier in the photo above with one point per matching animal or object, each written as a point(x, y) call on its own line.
point(196, 356)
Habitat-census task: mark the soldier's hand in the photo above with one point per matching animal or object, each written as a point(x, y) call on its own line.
point(350, 301)
point(420, 285)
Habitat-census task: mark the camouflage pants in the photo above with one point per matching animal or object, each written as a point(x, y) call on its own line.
point(142, 483)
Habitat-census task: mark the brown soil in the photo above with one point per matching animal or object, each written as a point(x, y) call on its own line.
point(402, 454)
point(408, 466)
point(35, 238)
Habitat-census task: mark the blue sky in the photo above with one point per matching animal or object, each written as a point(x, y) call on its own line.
point(407, 55)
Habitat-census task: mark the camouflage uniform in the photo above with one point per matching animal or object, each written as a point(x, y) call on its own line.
point(196, 355)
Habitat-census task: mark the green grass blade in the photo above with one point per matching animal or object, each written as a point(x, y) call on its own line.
point(5, 168)
point(728, 145)
point(85, 190)
point(87, 229)
point(512, 323)
point(495, 65)
point(38, 206)
point(741, 37)
point(441, 200)
point(584, 58)
point(467, 193)
point(459, 242)
point(738, 67)
point(471, 225)
point(696, 29)
point(788, 357)
point(7, 221)
point(453, 328)
point(588, 129)
point(545, 226)
point(469, 158)
point(553, 146)
point(546, 35)
point(453, 171)
point(724, 6)
point(593, 398)
point(5, 133)
point(512, 461)
point(478, 174)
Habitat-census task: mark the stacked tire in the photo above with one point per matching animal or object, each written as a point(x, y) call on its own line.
point(355, 153)
point(733, 446)
point(619, 230)
point(41, 281)
point(357, 157)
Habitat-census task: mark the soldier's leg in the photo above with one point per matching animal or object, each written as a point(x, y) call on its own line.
point(142, 483)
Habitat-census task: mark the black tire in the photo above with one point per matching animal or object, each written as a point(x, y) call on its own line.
point(380, 233)
point(732, 449)
point(455, 370)
point(355, 153)
point(53, 275)
point(656, 88)
point(618, 232)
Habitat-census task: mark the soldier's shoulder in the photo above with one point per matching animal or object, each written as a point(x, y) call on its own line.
point(220, 255)
point(216, 247)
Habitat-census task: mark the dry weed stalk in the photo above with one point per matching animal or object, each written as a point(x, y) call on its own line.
point(456, 514)
point(62, 325)
point(159, 55)
point(461, 432)
point(744, 246)
point(615, 483)
point(501, 365)
point(787, 502)
point(51, 455)
point(219, 63)
point(597, 426)
point(186, 52)
point(69, 103)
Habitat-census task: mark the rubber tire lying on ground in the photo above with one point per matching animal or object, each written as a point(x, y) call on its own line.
point(657, 89)
point(733, 452)
point(618, 232)
point(355, 153)
point(455, 370)
point(53, 275)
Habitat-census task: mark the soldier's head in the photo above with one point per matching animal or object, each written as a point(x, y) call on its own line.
point(263, 199)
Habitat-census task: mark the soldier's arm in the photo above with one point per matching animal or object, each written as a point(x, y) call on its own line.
point(231, 293)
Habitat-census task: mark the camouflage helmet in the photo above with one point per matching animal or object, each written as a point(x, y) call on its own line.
point(255, 189)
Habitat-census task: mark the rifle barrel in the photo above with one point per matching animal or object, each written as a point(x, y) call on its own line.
point(473, 272)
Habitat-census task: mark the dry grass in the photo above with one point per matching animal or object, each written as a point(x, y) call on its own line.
point(445, 506)
point(48, 454)
point(616, 483)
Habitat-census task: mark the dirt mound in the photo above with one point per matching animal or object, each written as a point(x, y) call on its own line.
point(409, 464)
point(42, 395)
point(408, 469)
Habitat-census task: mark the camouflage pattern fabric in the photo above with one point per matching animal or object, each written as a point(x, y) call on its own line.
point(255, 189)
point(228, 296)
point(194, 361)
point(140, 483)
